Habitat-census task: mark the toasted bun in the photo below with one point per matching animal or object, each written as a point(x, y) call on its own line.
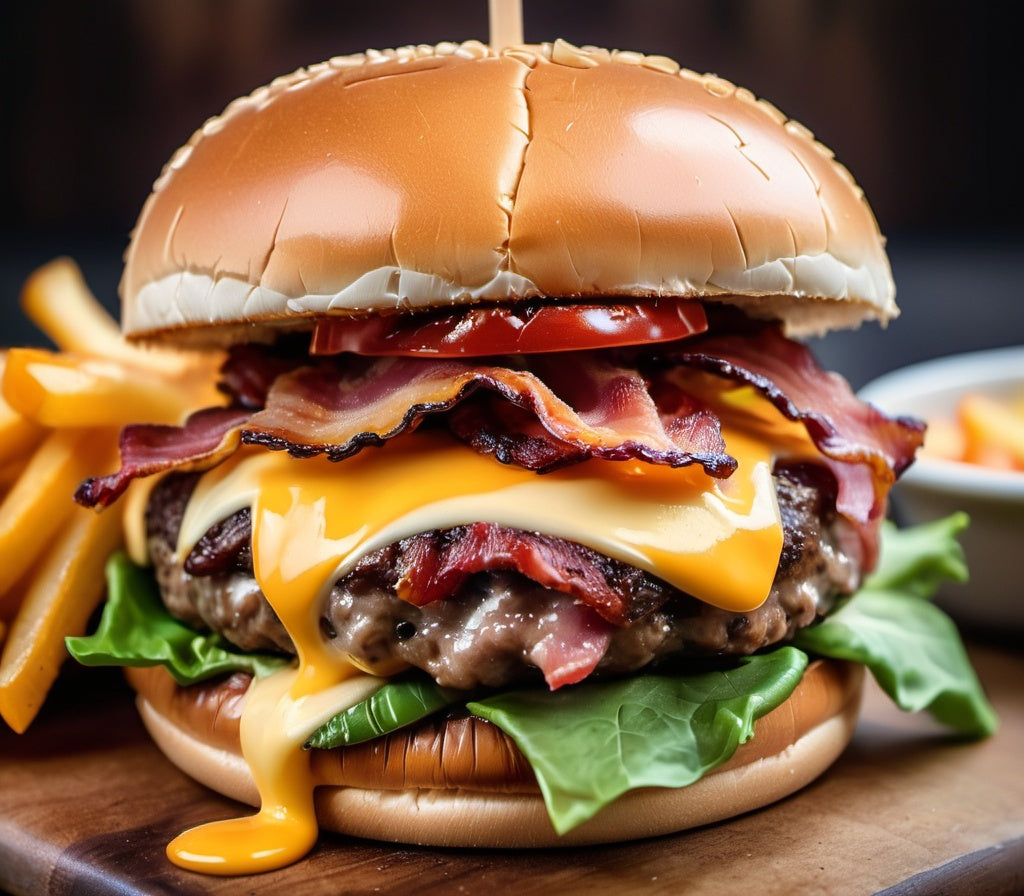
point(430, 176)
point(470, 786)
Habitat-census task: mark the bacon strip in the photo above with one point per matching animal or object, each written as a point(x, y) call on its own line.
point(207, 437)
point(250, 369)
point(514, 435)
point(564, 409)
point(511, 434)
point(845, 429)
point(435, 565)
point(610, 414)
point(576, 640)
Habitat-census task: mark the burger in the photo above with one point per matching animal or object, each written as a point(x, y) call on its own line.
point(525, 519)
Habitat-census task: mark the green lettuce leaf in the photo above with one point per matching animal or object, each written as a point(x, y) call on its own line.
point(395, 705)
point(590, 743)
point(136, 630)
point(911, 647)
point(918, 559)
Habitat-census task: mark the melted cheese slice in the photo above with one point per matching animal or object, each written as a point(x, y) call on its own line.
point(716, 539)
point(314, 520)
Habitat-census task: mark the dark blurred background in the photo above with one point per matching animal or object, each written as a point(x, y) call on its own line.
point(919, 99)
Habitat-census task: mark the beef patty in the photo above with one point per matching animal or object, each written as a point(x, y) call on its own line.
point(484, 632)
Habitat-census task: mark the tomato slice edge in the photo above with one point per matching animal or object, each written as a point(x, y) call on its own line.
point(476, 330)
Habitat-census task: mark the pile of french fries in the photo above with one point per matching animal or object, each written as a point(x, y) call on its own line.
point(60, 416)
point(986, 430)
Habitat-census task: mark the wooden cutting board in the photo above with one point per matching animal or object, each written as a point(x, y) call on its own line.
point(87, 805)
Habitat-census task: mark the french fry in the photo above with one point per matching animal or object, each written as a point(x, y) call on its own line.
point(944, 440)
point(994, 433)
point(9, 473)
point(64, 591)
point(60, 303)
point(57, 299)
point(59, 417)
point(40, 500)
point(61, 390)
point(7, 476)
point(18, 436)
point(11, 601)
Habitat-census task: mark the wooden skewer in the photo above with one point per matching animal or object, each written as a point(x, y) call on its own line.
point(506, 18)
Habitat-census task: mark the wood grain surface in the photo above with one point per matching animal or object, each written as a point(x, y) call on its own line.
point(87, 805)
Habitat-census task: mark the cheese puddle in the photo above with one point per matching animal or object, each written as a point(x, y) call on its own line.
point(313, 520)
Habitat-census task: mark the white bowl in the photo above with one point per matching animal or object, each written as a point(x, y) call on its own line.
point(994, 499)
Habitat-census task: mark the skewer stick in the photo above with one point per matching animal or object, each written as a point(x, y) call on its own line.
point(506, 18)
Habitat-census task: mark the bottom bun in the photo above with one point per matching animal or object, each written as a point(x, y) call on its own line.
point(428, 805)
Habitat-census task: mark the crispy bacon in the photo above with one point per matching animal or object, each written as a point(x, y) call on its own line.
point(514, 435)
point(847, 431)
point(511, 434)
point(206, 438)
point(250, 369)
point(609, 414)
point(540, 413)
point(864, 449)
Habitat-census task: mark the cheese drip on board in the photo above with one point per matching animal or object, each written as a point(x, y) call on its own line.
point(277, 719)
point(312, 521)
point(293, 555)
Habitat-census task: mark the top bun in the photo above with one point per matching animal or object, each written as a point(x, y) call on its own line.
point(430, 176)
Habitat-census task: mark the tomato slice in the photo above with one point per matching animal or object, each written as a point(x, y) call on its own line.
point(502, 330)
